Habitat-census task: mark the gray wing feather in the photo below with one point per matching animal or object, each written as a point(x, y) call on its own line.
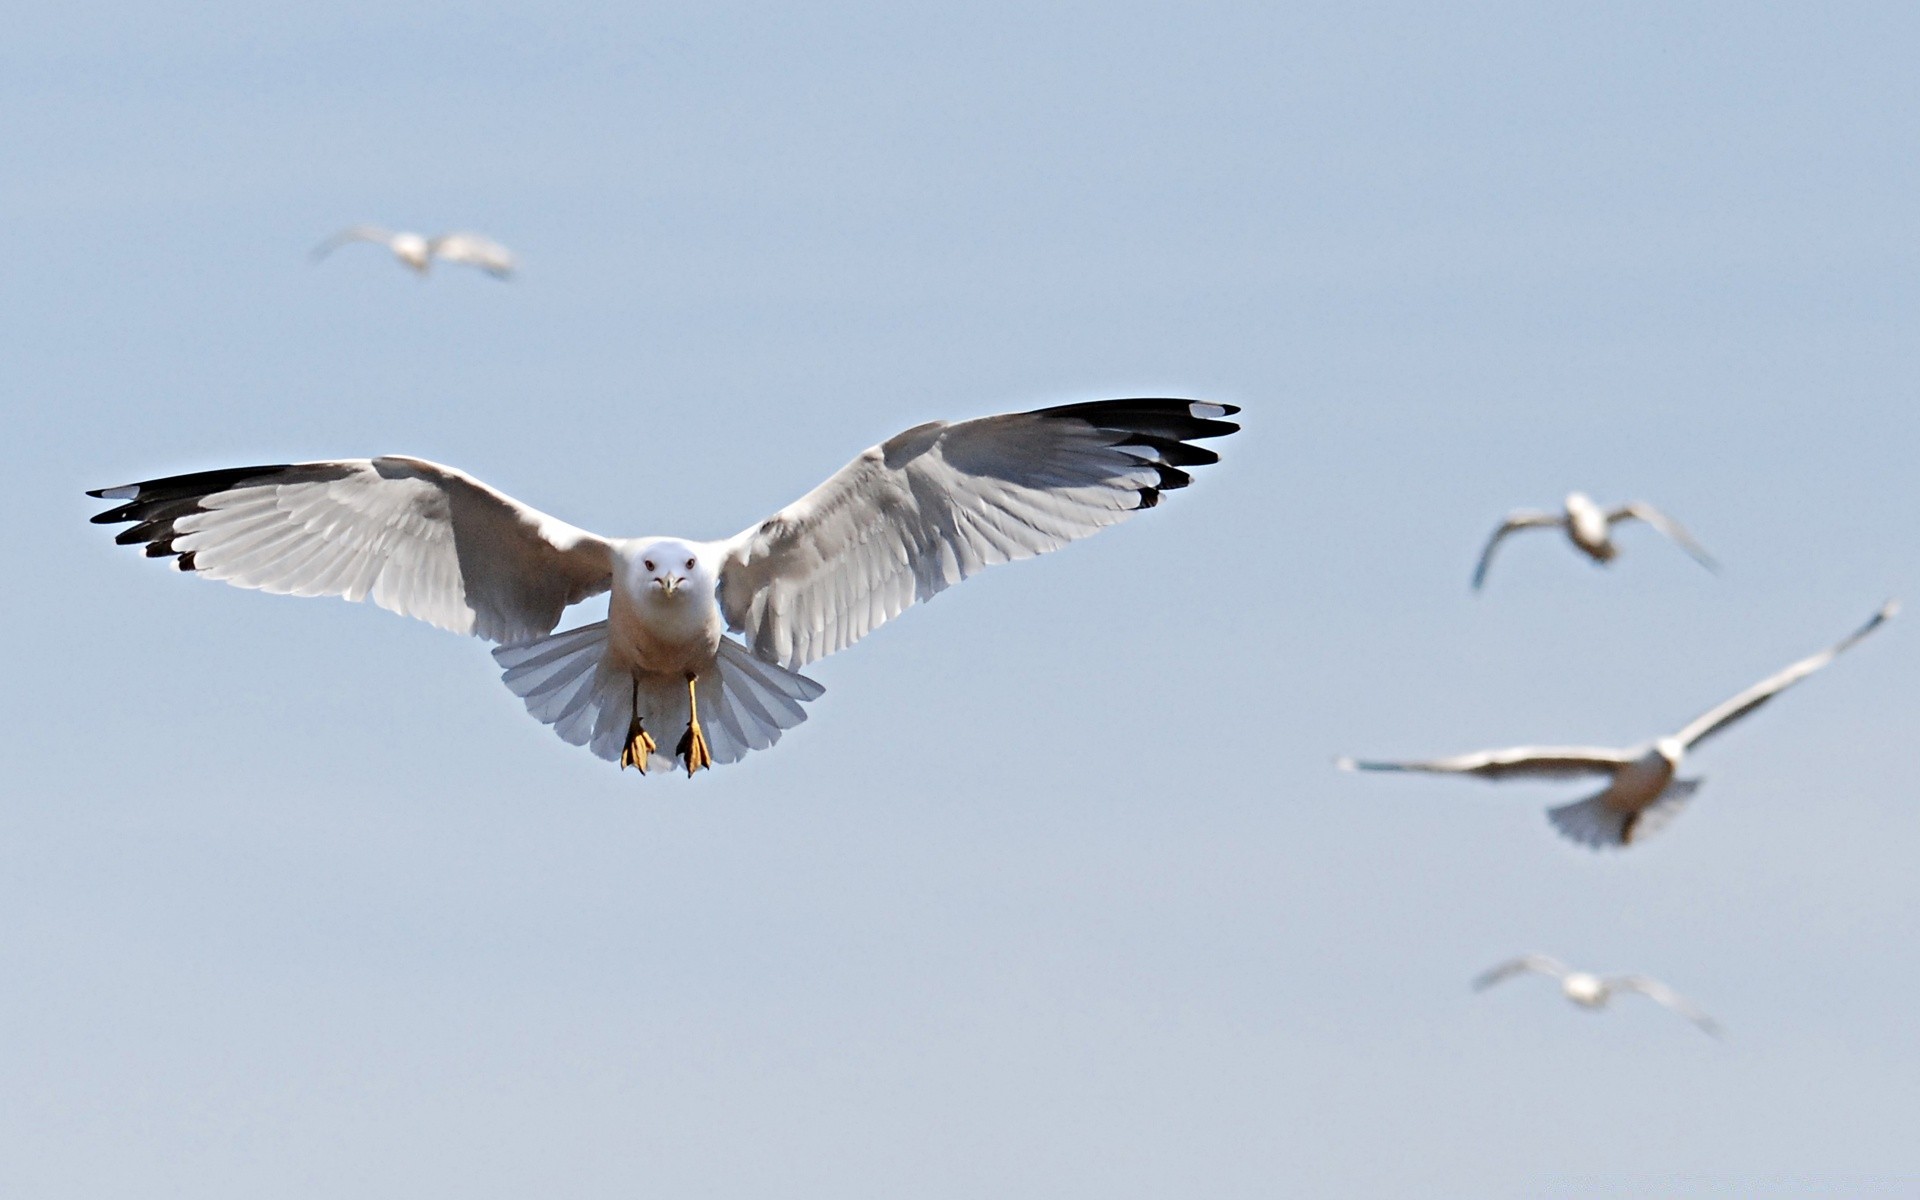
point(415, 537)
point(934, 505)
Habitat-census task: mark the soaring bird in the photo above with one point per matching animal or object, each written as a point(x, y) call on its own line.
point(1643, 791)
point(1592, 992)
point(900, 523)
point(417, 251)
point(1590, 528)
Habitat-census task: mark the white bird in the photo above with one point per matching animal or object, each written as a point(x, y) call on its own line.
point(1590, 528)
point(417, 251)
point(1592, 992)
point(900, 523)
point(1642, 791)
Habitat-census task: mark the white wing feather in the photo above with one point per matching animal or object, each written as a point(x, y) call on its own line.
point(932, 506)
point(1663, 995)
point(1538, 964)
point(1539, 762)
point(358, 233)
point(1513, 524)
point(1727, 712)
point(473, 250)
point(418, 538)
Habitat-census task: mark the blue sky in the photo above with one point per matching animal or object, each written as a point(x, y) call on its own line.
point(1057, 892)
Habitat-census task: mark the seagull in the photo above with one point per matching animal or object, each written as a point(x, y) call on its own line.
point(902, 522)
point(1592, 992)
point(1590, 528)
point(418, 252)
point(1642, 791)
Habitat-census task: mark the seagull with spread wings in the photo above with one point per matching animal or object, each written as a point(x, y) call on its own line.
point(1643, 791)
point(418, 251)
point(899, 524)
point(1592, 992)
point(1590, 528)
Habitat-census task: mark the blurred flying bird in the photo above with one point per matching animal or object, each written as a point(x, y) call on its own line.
point(418, 252)
point(900, 523)
point(1592, 992)
point(1590, 528)
point(1642, 792)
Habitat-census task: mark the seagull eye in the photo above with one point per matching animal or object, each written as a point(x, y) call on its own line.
point(689, 564)
point(648, 564)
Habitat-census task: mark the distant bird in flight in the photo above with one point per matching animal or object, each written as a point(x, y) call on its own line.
point(899, 524)
point(418, 252)
point(1590, 528)
point(1594, 991)
point(1642, 792)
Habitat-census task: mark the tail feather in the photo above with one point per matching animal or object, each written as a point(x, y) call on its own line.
point(1593, 823)
point(568, 683)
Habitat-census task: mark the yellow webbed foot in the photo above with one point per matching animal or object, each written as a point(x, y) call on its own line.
point(693, 750)
point(640, 747)
point(693, 744)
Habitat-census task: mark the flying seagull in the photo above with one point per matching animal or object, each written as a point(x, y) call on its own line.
point(899, 524)
point(418, 252)
point(1642, 792)
point(1592, 992)
point(1590, 528)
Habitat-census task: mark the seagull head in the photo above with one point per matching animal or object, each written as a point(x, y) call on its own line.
point(668, 569)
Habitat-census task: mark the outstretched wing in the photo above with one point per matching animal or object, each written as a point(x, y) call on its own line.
point(1514, 522)
point(420, 539)
point(1660, 993)
point(924, 510)
point(1722, 715)
point(1520, 762)
point(358, 233)
point(1538, 964)
point(474, 251)
point(1637, 511)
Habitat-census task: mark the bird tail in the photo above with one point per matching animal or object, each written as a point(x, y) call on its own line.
point(567, 682)
point(1592, 822)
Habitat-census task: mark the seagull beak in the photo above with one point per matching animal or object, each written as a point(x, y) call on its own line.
point(669, 583)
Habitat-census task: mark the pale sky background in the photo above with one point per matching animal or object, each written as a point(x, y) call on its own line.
point(1057, 893)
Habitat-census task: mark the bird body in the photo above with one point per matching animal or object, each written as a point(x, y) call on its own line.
point(1643, 786)
point(1590, 528)
point(1588, 991)
point(1587, 525)
point(418, 252)
point(900, 523)
point(1594, 992)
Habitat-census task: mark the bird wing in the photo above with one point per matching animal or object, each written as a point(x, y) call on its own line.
point(918, 513)
point(473, 250)
point(1514, 522)
point(421, 539)
point(1538, 964)
point(1520, 762)
point(1726, 713)
point(1660, 993)
point(358, 233)
point(1637, 511)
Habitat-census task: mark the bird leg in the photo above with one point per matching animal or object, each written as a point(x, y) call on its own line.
point(693, 744)
point(640, 745)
